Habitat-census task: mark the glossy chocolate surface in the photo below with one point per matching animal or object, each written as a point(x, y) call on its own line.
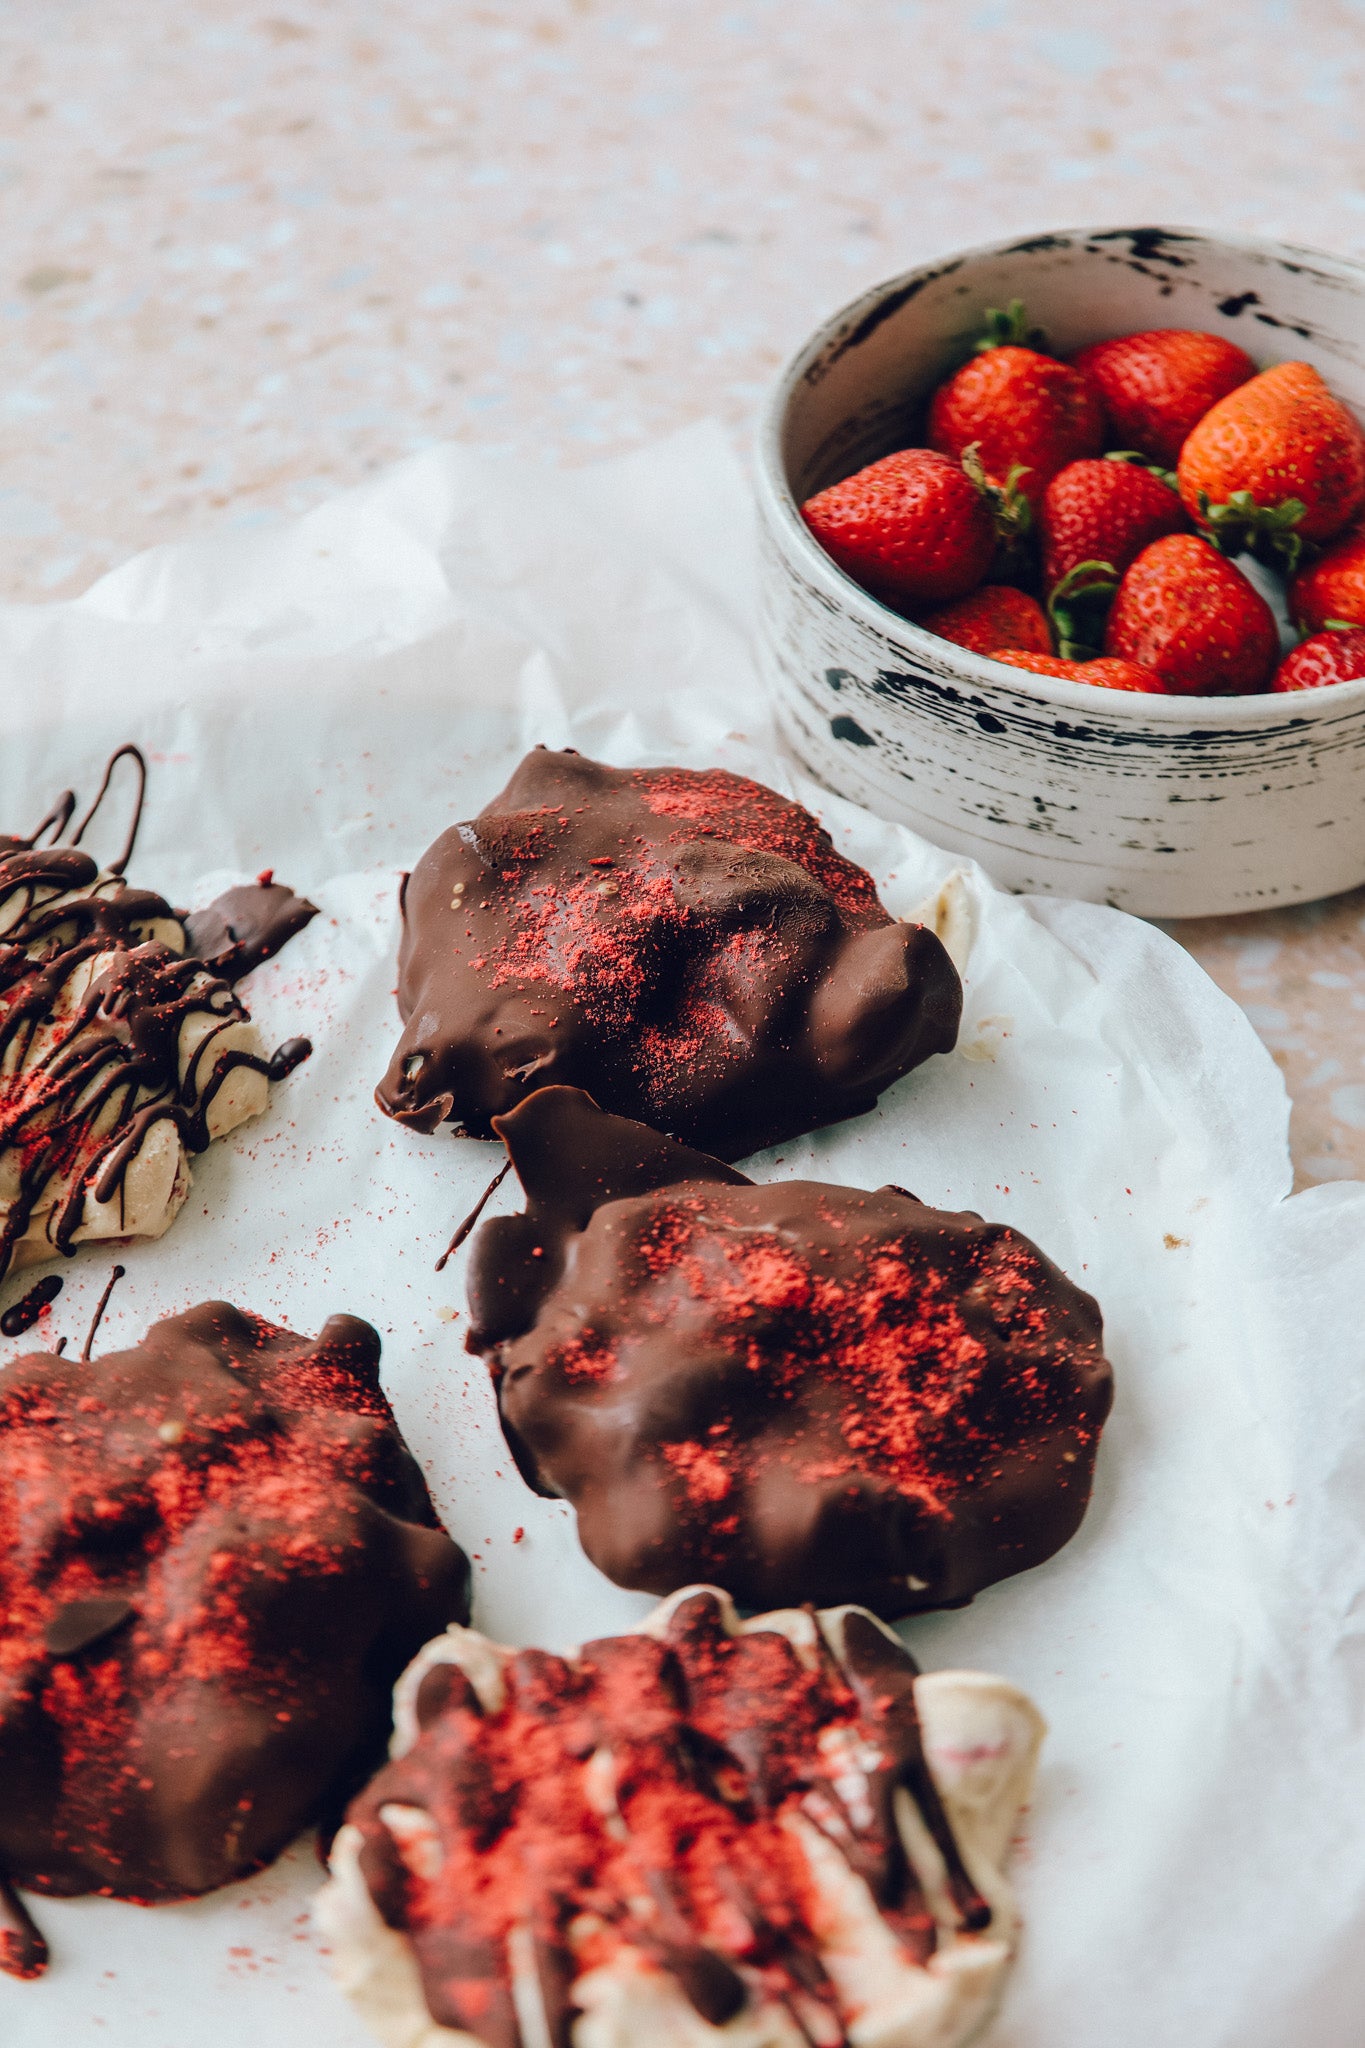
point(686, 945)
point(216, 1555)
point(799, 1391)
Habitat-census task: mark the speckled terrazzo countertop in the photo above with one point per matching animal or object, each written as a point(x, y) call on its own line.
point(251, 255)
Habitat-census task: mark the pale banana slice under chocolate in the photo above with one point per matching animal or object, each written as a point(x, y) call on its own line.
point(123, 1049)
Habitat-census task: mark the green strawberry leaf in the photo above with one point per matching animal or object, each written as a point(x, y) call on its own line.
point(1009, 329)
point(1009, 508)
point(1137, 461)
point(1078, 607)
point(1242, 526)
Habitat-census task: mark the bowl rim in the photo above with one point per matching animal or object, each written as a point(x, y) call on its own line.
point(1171, 714)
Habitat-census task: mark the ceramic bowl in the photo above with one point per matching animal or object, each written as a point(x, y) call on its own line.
point(1168, 806)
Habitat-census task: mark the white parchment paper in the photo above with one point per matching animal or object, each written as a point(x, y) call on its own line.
point(323, 697)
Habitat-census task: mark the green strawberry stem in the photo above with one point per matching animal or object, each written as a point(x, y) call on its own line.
point(1010, 509)
point(1242, 526)
point(1137, 461)
point(1015, 556)
point(1078, 607)
point(1009, 329)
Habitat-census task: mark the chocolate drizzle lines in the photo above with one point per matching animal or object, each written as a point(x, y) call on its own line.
point(100, 1306)
point(127, 752)
point(56, 821)
point(286, 1057)
point(88, 1079)
point(25, 1313)
point(657, 1776)
point(98, 981)
point(472, 1218)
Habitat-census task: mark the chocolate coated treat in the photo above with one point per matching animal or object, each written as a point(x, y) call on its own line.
point(797, 1390)
point(216, 1555)
point(701, 1822)
point(245, 926)
point(123, 1047)
point(688, 946)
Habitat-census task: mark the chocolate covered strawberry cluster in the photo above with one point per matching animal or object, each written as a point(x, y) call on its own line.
point(216, 1556)
point(687, 945)
point(801, 1391)
point(1085, 518)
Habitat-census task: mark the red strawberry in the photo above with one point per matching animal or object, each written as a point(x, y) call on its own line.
point(994, 616)
point(1333, 587)
point(1325, 658)
point(1186, 613)
point(1104, 511)
point(1110, 675)
point(1157, 385)
point(911, 528)
point(1279, 460)
point(1026, 412)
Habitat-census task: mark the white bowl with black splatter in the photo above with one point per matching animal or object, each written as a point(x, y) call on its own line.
point(1168, 806)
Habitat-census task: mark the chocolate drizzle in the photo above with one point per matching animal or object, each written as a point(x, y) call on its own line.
point(462, 1230)
point(797, 1391)
point(25, 1313)
point(100, 1306)
point(127, 752)
point(97, 990)
point(651, 1784)
point(286, 1057)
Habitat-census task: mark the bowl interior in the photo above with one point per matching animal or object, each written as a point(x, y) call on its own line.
point(860, 389)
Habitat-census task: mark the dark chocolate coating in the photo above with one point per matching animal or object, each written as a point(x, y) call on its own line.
point(709, 1739)
point(216, 1555)
point(687, 946)
point(245, 926)
point(801, 1391)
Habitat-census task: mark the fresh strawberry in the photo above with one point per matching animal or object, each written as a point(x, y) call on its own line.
point(1279, 461)
point(1191, 617)
point(1333, 587)
point(1325, 658)
point(997, 615)
point(1109, 675)
point(912, 528)
point(1158, 385)
point(1106, 511)
point(1026, 411)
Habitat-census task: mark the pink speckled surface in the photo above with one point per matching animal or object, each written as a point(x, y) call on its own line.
point(252, 255)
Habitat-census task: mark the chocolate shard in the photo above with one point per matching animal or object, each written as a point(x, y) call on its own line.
point(23, 1952)
point(78, 1624)
point(687, 946)
point(799, 1391)
point(245, 926)
point(570, 1158)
